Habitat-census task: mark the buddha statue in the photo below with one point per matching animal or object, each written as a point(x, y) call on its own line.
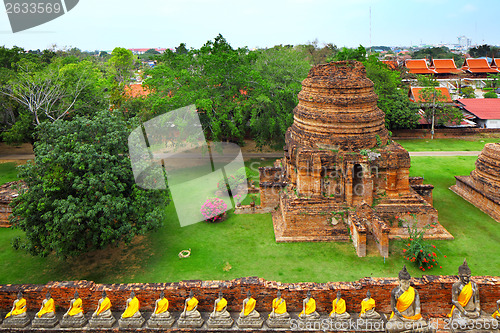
point(249, 317)
point(46, 317)
point(220, 317)
point(339, 308)
point(190, 316)
point(131, 317)
point(102, 317)
point(368, 308)
point(161, 318)
point(309, 308)
point(279, 317)
point(405, 305)
point(18, 316)
point(496, 314)
point(74, 317)
point(466, 310)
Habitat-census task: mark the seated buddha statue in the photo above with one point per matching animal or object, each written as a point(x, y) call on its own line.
point(339, 308)
point(496, 314)
point(220, 308)
point(103, 307)
point(466, 309)
point(309, 308)
point(48, 309)
point(75, 307)
point(220, 317)
point(161, 307)
point(131, 317)
point(190, 316)
point(102, 316)
point(368, 308)
point(248, 310)
point(190, 307)
point(405, 305)
point(74, 317)
point(249, 317)
point(18, 316)
point(279, 308)
point(18, 308)
point(132, 308)
point(161, 318)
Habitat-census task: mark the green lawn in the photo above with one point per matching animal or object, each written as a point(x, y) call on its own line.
point(473, 144)
point(8, 172)
point(244, 245)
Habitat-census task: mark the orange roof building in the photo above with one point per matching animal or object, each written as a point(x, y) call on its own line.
point(478, 66)
point(418, 66)
point(445, 66)
point(392, 64)
point(416, 96)
point(495, 63)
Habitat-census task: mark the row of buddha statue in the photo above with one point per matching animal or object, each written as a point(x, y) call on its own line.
point(405, 316)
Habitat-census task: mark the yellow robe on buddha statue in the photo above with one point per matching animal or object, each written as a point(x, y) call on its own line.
point(310, 307)
point(464, 297)
point(249, 306)
point(279, 306)
point(338, 306)
point(48, 307)
point(132, 308)
point(191, 304)
point(404, 302)
point(76, 308)
point(367, 305)
point(105, 305)
point(496, 314)
point(19, 308)
point(162, 306)
point(221, 305)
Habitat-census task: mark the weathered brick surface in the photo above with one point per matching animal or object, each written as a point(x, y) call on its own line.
point(482, 187)
point(7, 193)
point(337, 157)
point(435, 293)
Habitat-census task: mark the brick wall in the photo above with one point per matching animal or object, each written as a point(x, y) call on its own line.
point(435, 293)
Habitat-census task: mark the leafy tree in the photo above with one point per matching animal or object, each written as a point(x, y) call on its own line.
point(81, 193)
point(358, 54)
point(122, 65)
point(438, 53)
point(490, 94)
point(51, 92)
point(181, 49)
point(318, 55)
point(484, 50)
point(467, 92)
point(436, 108)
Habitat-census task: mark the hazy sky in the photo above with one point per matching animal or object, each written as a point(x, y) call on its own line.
point(105, 24)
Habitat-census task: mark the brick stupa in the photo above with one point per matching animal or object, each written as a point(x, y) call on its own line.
point(482, 187)
point(341, 177)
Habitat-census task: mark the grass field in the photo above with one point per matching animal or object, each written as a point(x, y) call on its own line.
point(244, 245)
point(472, 144)
point(8, 172)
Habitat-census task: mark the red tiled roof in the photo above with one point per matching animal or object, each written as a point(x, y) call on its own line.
point(483, 108)
point(414, 94)
point(495, 62)
point(418, 66)
point(445, 66)
point(136, 90)
point(478, 66)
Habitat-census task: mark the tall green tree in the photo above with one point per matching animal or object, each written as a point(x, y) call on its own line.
point(81, 192)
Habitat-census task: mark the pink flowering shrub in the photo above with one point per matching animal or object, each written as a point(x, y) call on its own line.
point(213, 210)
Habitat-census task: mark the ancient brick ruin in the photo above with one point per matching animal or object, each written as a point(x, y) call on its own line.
point(341, 177)
point(482, 187)
point(8, 192)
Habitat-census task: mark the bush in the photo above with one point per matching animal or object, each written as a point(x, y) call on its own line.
point(213, 210)
point(238, 178)
point(490, 94)
point(421, 252)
